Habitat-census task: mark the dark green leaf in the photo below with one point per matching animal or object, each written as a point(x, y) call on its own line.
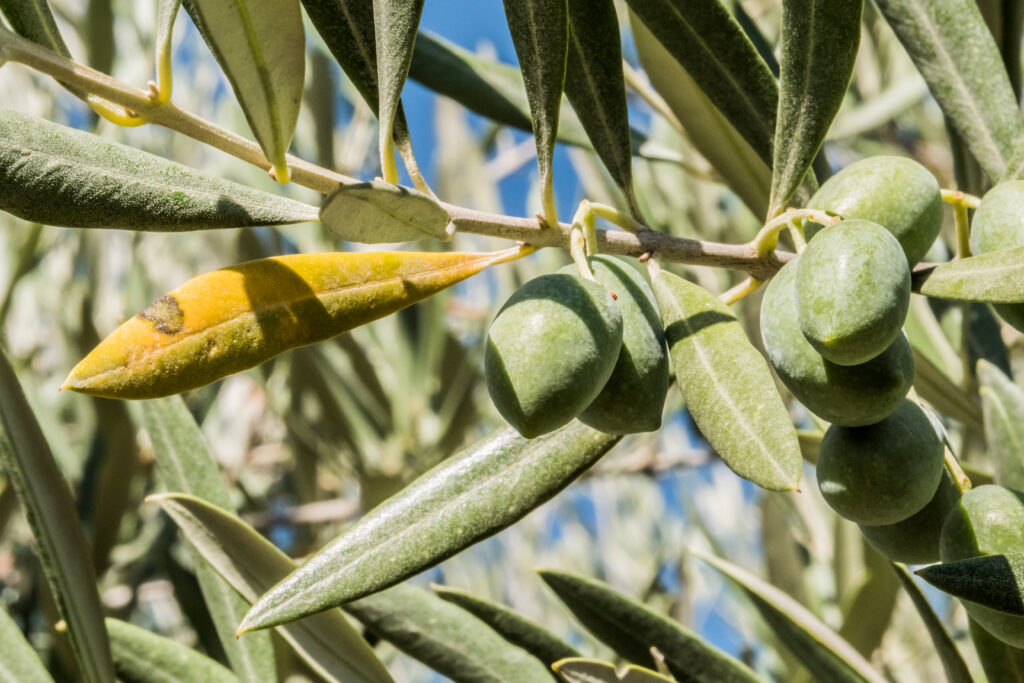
point(595, 86)
point(465, 499)
point(184, 463)
point(819, 648)
point(377, 212)
point(1001, 662)
point(251, 565)
point(580, 670)
point(993, 581)
point(954, 51)
point(995, 277)
point(395, 23)
point(46, 500)
point(33, 19)
point(260, 45)
point(144, 657)
point(819, 46)
point(727, 385)
point(631, 629)
point(20, 663)
point(540, 33)
point(953, 664)
point(60, 176)
point(1002, 405)
point(512, 626)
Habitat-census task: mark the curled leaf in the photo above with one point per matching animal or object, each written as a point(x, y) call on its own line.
point(232, 319)
point(581, 670)
point(378, 212)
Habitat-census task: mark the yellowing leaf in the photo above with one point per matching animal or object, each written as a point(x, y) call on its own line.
point(234, 318)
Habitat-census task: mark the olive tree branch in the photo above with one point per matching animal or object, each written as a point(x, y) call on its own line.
point(147, 105)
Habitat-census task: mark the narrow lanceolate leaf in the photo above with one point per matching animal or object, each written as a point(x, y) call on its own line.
point(595, 85)
point(955, 52)
point(378, 212)
point(45, 498)
point(33, 19)
point(952, 662)
point(512, 626)
point(580, 670)
point(1002, 406)
point(449, 640)
point(20, 663)
point(993, 581)
point(56, 175)
point(261, 47)
point(827, 656)
point(727, 385)
point(718, 141)
point(232, 319)
point(708, 42)
point(167, 12)
point(184, 463)
point(465, 499)
point(631, 629)
point(144, 657)
point(395, 23)
point(819, 46)
point(252, 564)
point(994, 277)
point(540, 32)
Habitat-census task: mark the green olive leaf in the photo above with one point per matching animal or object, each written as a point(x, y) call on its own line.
point(463, 500)
point(825, 654)
point(935, 386)
point(819, 46)
point(1002, 405)
point(56, 175)
point(631, 629)
point(868, 612)
point(727, 385)
point(1001, 662)
point(184, 463)
point(28, 463)
point(955, 52)
point(952, 662)
point(33, 19)
point(994, 581)
point(740, 167)
point(261, 47)
point(994, 277)
point(540, 33)
point(512, 626)
point(595, 85)
point(251, 565)
point(580, 670)
point(144, 657)
point(20, 663)
point(378, 212)
point(167, 12)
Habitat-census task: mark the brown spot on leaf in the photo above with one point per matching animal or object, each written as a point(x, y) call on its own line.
point(166, 315)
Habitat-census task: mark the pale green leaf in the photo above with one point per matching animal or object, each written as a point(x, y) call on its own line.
point(144, 657)
point(1002, 407)
point(826, 655)
point(184, 463)
point(956, 54)
point(934, 386)
point(868, 613)
point(468, 497)
point(580, 670)
point(631, 629)
point(45, 498)
point(540, 33)
point(19, 663)
point(740, 167)
point(33, 19)
point(995, 277)
point(395, 23)
point(1001, 662)
point(952, 662)
point(260, 45)
point(819, 46)
point(378, 212)
point(251, 565)
point(56, 175)
point(727, 385)
point(994, 581)
point(512, 626)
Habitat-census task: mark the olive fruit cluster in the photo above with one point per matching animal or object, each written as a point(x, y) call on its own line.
point(831, 322)
point(564, 347)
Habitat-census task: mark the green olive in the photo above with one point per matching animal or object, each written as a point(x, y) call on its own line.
point(915, 540)
point(998, 223)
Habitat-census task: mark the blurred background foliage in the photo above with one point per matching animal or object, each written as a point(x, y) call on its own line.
point(317, 436)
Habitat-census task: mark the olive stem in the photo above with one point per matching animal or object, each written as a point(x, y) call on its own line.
point(742, 257)
point(578, 251)
point(740, 290)
point(768, 238)
point(960, 479)
point(616, 217)
point(959, 197)
point(963, 230)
